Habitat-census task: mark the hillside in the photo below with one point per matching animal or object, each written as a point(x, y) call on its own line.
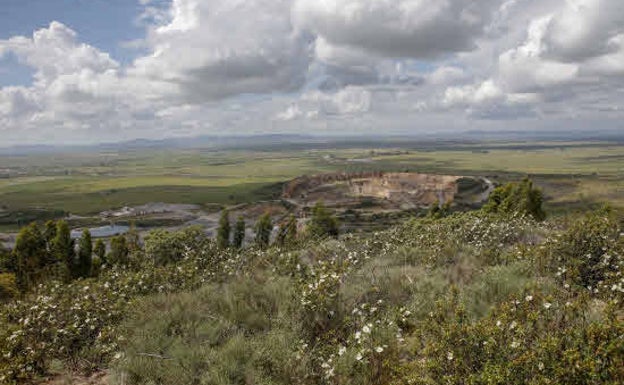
point(473, 298)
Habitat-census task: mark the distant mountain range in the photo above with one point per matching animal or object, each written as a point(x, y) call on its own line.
point(275, 141)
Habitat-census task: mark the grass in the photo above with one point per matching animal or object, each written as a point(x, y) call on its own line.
point(221, 334)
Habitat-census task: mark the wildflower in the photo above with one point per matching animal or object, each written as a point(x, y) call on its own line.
point(342, 350)
point(366, 329)
point(358, 357)
point(449, 356)
point(528, 298)
point(547, 305)
point(379, 349)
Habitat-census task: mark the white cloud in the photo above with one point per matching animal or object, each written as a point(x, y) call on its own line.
point(396, 28)
point(221, 48)
point(55, 51)
point(291, 113)
point(305, 65)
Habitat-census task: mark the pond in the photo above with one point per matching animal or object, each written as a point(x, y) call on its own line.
point(102, 232)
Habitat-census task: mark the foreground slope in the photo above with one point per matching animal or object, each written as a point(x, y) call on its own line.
point(471, 298)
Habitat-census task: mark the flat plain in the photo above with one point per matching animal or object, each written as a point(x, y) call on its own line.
point(572, 174)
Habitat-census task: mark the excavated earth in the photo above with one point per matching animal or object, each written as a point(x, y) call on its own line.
point(386, 191)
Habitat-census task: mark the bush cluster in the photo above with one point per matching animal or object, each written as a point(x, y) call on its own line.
point(472, 298)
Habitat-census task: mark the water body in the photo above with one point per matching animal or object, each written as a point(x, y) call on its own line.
point(102, 232)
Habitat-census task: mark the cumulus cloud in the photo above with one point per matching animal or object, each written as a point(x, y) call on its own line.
point(572, 52)
point(256, 65)
point(221, 48)
point(396, 28)
point(55, 51)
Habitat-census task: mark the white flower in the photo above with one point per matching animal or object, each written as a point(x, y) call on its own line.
point(449, 356)
point(358, 357)
point(528, 298)
point(342, 350)
point(547, 305)
point(515, 344)
point(379, 349)
point(366, 329)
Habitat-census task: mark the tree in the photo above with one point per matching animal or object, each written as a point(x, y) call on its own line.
point(85, 254)
point(517, 198)
point(29, 256)
point(100, 250)
point(132, 238)
point(323, 223)
point(287, 232)
point(223, 232)
point(119, 251)
point(164, 247)
point(63, 249)
point(239, 233)
point(49, 232)
point(264, 227)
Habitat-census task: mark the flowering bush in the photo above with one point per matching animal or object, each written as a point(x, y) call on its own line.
point(523, 306)
point(535, 339)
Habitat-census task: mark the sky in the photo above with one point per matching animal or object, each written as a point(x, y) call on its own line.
point(88, 71)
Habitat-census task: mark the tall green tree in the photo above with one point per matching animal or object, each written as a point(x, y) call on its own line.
point(49, 233)
point(133, 239)
point(223, 232)
point(287, 233)
point(264, 227)
point(323, 223)
point(119, 251)
point(29, 255)
point(239, 233)
point(85, 254)
point(63, 248)
point(100, 250)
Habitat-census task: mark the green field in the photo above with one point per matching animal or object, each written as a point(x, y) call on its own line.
point(573, 174)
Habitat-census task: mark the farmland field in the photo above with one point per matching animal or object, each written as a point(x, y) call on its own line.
point(573, 174)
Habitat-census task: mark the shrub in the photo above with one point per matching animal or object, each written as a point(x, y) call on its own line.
point(239, 233)
point(223, 232)
point(7, 261)
point(517, 198)
point(534, 339)
point(264, 227)
point(119, 251)
point(590, 251)
point(163, 247)
point(85, 255)
point(323, 223)
point(8, 287)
